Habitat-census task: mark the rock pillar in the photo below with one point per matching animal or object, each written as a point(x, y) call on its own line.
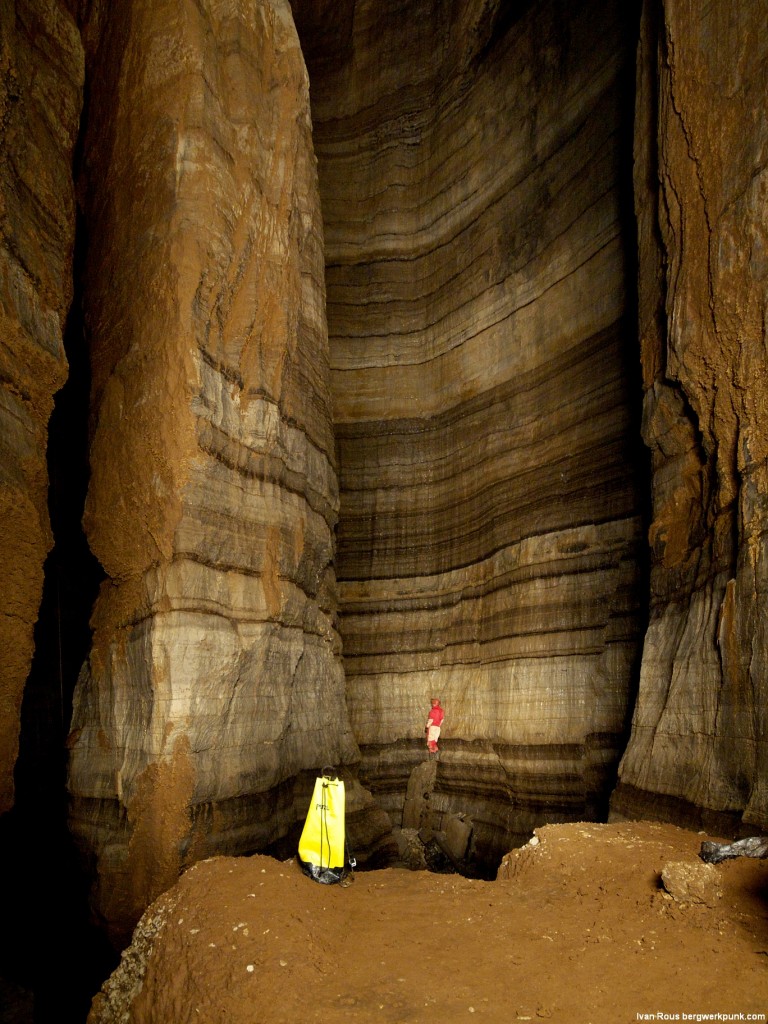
point(698, 753)
point(215, 677)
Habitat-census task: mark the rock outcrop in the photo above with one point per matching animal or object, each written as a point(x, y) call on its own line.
point(699, 746)
point(215, 686)
point(41, 82)
point(471, 160)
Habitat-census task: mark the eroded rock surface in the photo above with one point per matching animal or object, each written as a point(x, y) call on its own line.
point(470, 160)
point(692, 883)
point(41, 81)
point(479, 385)
point(215, 678)
point(699, 744)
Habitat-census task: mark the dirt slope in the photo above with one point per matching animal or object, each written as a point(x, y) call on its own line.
point(580, 930)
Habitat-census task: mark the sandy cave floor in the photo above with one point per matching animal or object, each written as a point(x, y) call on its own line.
point(582, 932)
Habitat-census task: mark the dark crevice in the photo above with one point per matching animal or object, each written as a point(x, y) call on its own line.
point(637, 452)
point(51, 956)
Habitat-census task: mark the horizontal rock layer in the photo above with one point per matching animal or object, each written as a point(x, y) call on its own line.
point(479, 389)
point(215, 683)
point(471, 172)
point(698, 750)
point(41, 81)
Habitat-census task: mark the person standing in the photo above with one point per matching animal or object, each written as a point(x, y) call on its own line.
point(434, 723)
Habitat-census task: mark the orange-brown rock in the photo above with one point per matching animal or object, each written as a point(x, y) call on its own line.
point(469, 430)
point(41, 80)
point(215, 686)
point(699, 747)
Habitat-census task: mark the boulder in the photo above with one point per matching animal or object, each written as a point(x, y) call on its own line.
point(692, 883)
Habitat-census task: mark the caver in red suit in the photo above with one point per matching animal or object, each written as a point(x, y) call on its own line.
point(434, 722)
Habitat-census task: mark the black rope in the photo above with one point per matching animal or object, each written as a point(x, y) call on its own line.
point(324, 825)
point(327, 773)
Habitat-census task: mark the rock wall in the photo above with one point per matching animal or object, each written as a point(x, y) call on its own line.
point(490, 541)
point(469, 430)
point(698, 750)
point(41, 80)
point(214, 688)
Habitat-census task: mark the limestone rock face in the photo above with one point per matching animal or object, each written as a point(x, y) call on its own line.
point(215, 685)
point(470, 161)
point(41, 79)
point(315, 516)
point(699, 743)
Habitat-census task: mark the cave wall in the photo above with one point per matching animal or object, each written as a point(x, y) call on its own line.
point(41, 82)
point(469, 428)
point(474, 175)
point(698, 750)
point(214, 688)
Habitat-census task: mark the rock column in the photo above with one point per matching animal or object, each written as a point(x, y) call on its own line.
point(215, 677)
point(698, 751)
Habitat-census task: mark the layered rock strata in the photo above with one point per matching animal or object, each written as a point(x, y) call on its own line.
point(41, 81)
point(214, 688)
point(481, 375)
point(471, 161)
point(699, 747)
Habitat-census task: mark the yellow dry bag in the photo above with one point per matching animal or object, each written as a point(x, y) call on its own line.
point(321, 847)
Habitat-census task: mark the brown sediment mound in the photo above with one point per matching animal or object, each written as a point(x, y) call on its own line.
point(578, 927)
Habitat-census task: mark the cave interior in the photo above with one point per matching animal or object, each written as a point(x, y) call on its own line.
point(439, 392)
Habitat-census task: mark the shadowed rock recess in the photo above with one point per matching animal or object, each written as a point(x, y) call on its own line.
point(41, 83)
point(370, 384)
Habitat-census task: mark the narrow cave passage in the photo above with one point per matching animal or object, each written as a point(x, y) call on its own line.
point(49, 950)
